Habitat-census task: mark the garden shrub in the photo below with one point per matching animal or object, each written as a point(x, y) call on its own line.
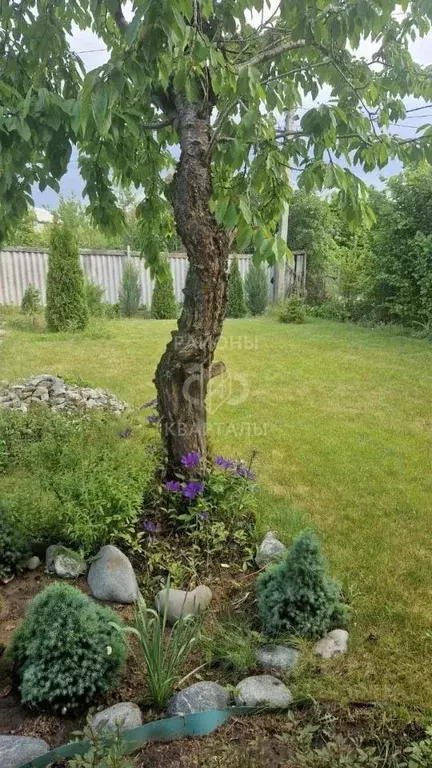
point(163, 305)
point(14, 549)
point(75, 480)
point(236, 301)
point(30, 302)
point(292, 310)
point(297, 596)
point(256, 289)
point(130, 290)
point(66, 308)
point(94, 298)
point(66, 652)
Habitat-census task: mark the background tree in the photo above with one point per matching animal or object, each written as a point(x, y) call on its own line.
point(66, 308)
point(163, 305)
point(210, 76)
point(130, 290)
point(256, 289)
point(312, 228)
point(236, 300)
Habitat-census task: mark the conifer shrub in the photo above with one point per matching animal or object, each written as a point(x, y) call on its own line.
point(30, 302)
point(130, 290)
point(236, 301)
point(66, 652)
point(256, 289)
point(14, 550)
point(292, 310)
point(163, 305)
point(298, 596)
point(66, 307)
point(94, 298)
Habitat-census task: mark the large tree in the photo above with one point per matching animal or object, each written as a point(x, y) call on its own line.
point(212, 76)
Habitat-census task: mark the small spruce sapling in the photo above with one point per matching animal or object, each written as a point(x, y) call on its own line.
point(67, 650)
point(298, 596)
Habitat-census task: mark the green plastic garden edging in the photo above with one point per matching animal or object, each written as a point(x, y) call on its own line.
point(197, 724)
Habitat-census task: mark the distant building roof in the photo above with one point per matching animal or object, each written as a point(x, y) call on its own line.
point(43, 216)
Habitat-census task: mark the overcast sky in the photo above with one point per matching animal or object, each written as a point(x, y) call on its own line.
point(92, 51)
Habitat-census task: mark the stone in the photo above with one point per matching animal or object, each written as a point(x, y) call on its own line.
point(64, 562)
point(332, 644)
point(15, 751)
point(47, 390)
point(33, 563)
point(263, 690)
point(111, 576)
point(125, 715)
point(277, 657)
point(198, 697)
point(271, 550)
point(181, 602)
point(43, 379)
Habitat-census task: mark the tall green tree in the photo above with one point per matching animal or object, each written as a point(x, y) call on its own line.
point(66, 306)
point(209, 76)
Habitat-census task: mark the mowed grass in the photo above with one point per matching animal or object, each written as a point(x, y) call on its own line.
point(341, 419)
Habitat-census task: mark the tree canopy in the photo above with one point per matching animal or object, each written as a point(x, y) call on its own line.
point(250, 67)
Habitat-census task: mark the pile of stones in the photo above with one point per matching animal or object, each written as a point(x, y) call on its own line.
point(53, 392)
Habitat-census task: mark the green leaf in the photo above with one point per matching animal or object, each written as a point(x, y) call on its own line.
point(101, 112)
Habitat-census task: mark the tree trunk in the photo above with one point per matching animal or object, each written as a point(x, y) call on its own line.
point(185, 368)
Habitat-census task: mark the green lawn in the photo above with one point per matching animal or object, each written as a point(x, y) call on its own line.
point(341, 419)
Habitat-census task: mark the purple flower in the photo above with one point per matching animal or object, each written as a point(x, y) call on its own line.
point(173, 486)
point(192, 490)
point(220, 461)
point(190, 460)
point(149, 526)
point(203, 515)
point(153, 419)
point(242, 471)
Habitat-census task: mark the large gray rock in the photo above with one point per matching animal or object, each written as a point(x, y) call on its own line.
point(198, 697)
point(64, 562)
point(183, 603)
point(271, 550)
point(277, 657)
point(124, 716)
point(111, 576)
point(263, 691)
point(18, 750)
point(334, 643)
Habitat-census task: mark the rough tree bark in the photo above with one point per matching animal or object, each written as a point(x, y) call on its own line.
point(185, 368)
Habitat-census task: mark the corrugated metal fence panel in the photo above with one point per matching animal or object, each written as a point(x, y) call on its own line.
point(20, 267)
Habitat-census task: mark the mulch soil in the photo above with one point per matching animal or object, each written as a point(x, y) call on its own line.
point(245, 742)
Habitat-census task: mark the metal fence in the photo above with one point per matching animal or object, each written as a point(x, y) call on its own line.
point(20, 267)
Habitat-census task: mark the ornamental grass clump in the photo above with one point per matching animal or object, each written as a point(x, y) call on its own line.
point(165, 655)
point(67, 650)
point(297, 596)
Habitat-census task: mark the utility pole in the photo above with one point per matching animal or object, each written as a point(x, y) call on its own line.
point(281, 266)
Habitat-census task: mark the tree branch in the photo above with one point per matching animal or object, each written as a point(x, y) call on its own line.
point(272, 53)
point(120, 19)
point(157, 125)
